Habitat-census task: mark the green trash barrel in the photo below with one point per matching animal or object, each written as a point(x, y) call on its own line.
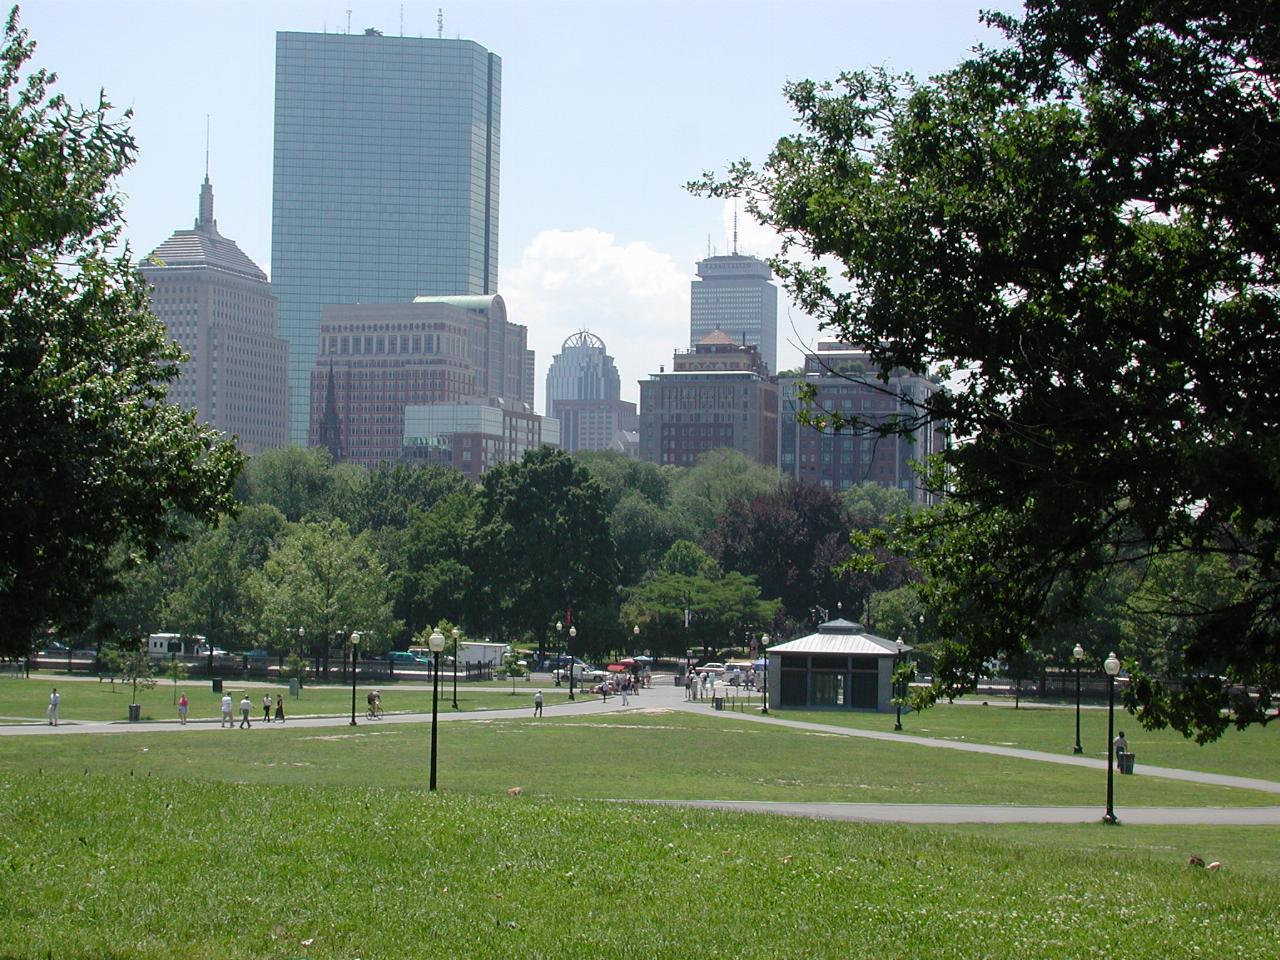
point(217, 684)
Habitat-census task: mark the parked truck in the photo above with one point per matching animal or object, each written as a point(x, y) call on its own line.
point(485, 654)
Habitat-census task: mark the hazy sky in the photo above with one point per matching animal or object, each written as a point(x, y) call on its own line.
point(608, 108)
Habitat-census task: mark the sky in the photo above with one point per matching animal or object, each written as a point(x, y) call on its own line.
point(608, 108)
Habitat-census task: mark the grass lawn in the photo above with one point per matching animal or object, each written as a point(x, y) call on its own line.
point(25, 701)
point(114, 867)
point(636, 755)
point(1254, 752)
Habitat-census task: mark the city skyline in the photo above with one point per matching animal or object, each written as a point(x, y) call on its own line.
point(598, 136)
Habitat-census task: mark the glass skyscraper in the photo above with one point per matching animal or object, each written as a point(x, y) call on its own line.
point(385, 180)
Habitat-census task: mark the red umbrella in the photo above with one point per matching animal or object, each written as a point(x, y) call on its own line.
point(628, 662)
point(616, 668)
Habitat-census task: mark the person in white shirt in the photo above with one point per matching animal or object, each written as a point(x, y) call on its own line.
point(245, 706)
point(226, 711)
point(54, 700)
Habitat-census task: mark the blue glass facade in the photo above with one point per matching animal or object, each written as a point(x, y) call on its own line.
point(385, 180)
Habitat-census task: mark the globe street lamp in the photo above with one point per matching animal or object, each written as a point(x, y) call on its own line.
point(764, 651)
point(455, 668)
point(436, 643)
point(560, 646)
point(355, 651)
point(635, 636)
point(1112, 666)
point(897, 693)
point(573, 632)
point(1078, 655)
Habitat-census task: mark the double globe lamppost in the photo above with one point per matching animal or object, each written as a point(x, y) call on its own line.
point(355, 653)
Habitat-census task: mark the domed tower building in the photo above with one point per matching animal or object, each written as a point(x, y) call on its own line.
point(583, 393)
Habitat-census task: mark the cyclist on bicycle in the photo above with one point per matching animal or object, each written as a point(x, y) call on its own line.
point(375, 704)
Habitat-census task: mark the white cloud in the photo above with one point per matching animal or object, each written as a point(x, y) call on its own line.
point(635, 298)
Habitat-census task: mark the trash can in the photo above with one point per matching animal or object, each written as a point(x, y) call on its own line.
point(1126, 762)
point(135, 712)
point(294, 687)
point(217, 684)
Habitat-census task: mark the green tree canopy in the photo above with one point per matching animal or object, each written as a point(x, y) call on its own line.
point(542, 546)
point(91, 452)
point(1078, 231)
point(325, 582)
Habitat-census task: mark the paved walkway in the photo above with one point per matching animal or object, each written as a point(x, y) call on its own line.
point(665, 695)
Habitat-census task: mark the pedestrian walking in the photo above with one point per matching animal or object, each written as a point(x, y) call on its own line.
point(226, 711)
point(245, 706)
point(537, 704)
point(266, 708)
point(1120, 746)
point(280, 707)
point(688, 686)
point(54, 700)
point(623, 691)
point(183, 706)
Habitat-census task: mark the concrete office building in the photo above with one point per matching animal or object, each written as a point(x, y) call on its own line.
point(473, 438)
point(845, 381)
point(734, 294)
point(379, 359)
point(583, 389)
point(217, 305)
point(718, 394)
point(385, 180)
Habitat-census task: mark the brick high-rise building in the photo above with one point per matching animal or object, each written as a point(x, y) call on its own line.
point(845, 381)
point(379, 359)
point(719, 394)
point(218, 305)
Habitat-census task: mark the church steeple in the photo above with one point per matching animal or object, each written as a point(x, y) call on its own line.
point(330, 425)
point(205, 222)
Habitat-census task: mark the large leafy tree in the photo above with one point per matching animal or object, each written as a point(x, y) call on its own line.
point(542, 547)
point(91, 454)
point(1078, 231)
point(321, 583)
point(791, 538)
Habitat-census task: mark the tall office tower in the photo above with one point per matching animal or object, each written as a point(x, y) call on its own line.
point(843, 380)
point(734, 294)
point(385, 180)
point(217, 304)
point(718, 394)
point(583, 390)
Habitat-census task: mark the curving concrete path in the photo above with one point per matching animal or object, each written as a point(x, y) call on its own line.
point(665, 695)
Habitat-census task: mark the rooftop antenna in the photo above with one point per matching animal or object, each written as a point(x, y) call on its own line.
point(402, 19)
point(735, 228)
point(206, 146)
point(439, 23)
point(708, 244)
point(348, 19)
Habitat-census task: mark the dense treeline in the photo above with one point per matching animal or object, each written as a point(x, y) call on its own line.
point(606, 543)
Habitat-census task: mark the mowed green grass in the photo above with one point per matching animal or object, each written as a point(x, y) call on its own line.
point(643, 754)
point(27, 701)
point(1254, 752)
point(114, 867)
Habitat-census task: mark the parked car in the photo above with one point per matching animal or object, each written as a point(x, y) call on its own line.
point(403, 658)
point(715, 669)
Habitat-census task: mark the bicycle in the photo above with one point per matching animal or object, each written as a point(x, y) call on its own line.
point(374, 711)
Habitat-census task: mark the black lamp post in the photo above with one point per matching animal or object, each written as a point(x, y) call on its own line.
point(355, 651)
point(897, 684)
point(1112, 666)
point(560, 647)
point(1078, 655)
point(436, 643)
point(573, 632)
point(764, 650)
point(455, 668)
